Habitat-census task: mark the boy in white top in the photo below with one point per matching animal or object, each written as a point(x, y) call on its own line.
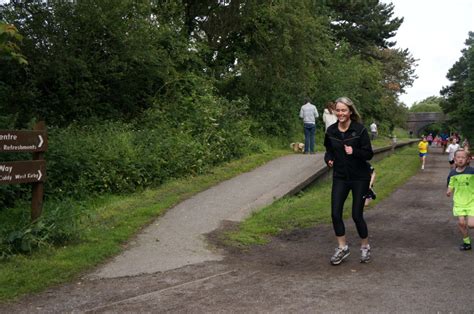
point(309, 114)
point(452, 148)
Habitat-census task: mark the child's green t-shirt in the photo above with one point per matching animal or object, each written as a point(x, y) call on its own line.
point(463, 185)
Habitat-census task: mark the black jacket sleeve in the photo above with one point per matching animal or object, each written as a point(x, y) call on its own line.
point(329, 155)
point(365, 151)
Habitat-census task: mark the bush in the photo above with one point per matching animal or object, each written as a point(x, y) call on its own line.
point(59, 224)
point(119, 157)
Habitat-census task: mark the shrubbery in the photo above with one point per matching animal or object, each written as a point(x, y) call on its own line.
point(119, 157)
point(58, 225)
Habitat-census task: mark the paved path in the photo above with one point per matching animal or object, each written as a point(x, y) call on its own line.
point(177, 238)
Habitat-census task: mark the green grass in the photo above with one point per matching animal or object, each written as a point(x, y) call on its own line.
point(386, 140)
point(401, 133)
point(312, 206)
point(110, 222)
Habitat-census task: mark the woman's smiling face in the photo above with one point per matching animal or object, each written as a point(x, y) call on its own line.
point(343, 112)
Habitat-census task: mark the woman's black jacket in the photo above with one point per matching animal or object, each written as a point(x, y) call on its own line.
point(349, 167)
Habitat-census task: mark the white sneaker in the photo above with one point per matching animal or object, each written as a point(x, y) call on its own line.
point(340, 254)
point(365, 254)
point(422, 167)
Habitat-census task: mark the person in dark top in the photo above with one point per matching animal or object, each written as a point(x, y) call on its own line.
point(348, 148)
point(370, 193)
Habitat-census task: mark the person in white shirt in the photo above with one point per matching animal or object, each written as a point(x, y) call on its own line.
point(329, 117)
point(309, 114)
point(452, 148)
point(373, 130)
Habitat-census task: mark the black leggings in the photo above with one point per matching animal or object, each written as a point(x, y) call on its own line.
point(340, 191)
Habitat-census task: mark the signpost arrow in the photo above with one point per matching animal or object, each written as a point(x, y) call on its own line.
point(22, 171)
point(41, 141)
point(23, 141)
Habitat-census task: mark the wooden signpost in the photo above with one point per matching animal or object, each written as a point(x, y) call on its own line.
point(29, 171)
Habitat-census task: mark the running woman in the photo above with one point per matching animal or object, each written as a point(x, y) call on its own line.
point(348, 148)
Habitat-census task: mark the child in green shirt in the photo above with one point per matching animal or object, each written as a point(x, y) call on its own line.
point(461, 186)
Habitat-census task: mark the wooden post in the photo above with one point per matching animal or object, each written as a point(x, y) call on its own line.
point(38, 187)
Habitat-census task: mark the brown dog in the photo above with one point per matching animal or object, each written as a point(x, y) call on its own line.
point(297, 147)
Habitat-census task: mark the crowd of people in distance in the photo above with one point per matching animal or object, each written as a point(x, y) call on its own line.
point(450, 143)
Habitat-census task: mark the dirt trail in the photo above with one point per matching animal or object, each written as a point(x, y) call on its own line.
point(416, 267)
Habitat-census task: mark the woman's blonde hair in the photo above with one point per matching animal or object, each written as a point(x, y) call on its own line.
point(355, 116)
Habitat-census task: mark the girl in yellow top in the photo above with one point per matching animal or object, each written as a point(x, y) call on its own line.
point(423, 149)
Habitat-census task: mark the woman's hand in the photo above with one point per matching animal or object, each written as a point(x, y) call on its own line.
point(348, 149)
point(330, 163)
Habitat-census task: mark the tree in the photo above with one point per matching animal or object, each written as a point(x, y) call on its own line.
point(115, 59)
point(9, 49)
point(366, 27)
point(398, 69)
point(364, 24)
point(92, 60)
point(459, 96)
point(429, 104)
point(284, 53)
point(218, 25)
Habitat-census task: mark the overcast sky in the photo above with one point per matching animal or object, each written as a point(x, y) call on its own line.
point(434, 31)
